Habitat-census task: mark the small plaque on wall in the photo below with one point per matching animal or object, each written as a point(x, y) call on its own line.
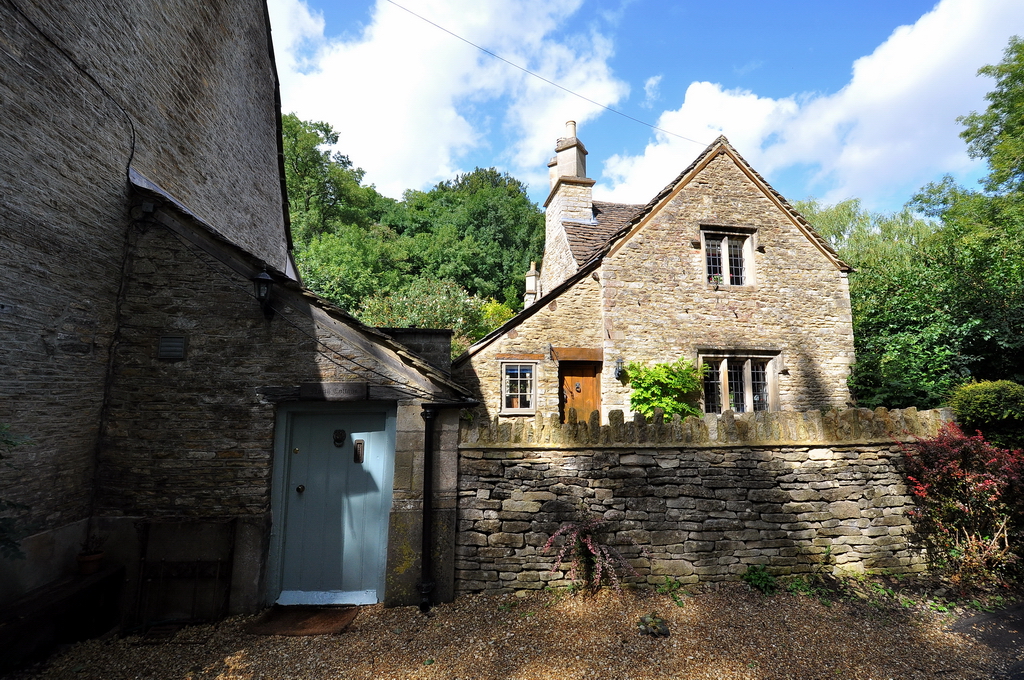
point(334, 391)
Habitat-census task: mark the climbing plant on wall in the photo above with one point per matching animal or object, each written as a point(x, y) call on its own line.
point(674, 387)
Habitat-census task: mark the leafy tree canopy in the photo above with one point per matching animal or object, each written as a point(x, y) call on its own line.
point(938, 295)
point(452, 257)
point(997, 134)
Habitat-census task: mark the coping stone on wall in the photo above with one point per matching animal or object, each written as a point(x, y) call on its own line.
point(726, 429)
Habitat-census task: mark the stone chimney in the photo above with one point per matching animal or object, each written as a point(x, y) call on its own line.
point(571, 198)
point(532, 282)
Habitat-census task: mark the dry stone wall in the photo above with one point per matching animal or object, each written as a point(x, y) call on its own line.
point(694, 499)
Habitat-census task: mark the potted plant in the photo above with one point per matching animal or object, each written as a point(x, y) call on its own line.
point(90, 559)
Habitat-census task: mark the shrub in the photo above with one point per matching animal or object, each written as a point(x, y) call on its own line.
point(758, 576)
point(994, 407)
point(674, 387)
point(969, 497)
point(590, 561)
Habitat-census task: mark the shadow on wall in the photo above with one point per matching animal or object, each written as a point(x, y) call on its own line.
point(704, 510)
point(813, 390)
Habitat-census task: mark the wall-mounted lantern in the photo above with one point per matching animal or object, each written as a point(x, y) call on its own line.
point(264, 285)
point(620, 369)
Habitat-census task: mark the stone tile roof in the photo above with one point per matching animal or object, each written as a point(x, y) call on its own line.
point(586, 239)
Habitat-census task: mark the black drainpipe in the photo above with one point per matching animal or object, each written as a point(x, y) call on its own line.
point(429, 414)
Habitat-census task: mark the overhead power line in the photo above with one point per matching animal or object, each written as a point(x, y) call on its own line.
point(540, 77)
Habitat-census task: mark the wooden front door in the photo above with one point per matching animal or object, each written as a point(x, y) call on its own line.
point(581, 388)
point(336, 503)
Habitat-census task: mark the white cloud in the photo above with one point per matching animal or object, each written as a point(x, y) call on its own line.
point(651, 93)
point(890, 129)
point(409, 100)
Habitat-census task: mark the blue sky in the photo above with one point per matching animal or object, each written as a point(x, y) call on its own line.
point(825, 99)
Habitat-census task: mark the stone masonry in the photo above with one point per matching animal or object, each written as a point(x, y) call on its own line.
point(183, 91)
point(647, 298)
point(694, 499)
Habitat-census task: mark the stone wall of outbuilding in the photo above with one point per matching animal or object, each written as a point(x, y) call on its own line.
point(694, 499)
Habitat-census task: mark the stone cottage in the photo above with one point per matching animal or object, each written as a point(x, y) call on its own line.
point(717, 268)
point(226, 436)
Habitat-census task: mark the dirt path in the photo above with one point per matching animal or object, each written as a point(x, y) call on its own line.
point(725, 633)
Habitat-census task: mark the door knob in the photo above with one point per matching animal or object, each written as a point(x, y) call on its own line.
point(300, 488)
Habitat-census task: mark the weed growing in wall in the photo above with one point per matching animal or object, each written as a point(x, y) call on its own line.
point(591, 562)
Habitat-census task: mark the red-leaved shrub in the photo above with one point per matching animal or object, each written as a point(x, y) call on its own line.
point(969, 498)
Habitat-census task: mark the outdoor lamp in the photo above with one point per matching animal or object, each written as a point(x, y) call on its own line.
point(263, 285)
point(620, 368)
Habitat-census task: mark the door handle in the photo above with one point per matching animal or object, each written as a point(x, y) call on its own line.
point(300, 488)
point(357, 451)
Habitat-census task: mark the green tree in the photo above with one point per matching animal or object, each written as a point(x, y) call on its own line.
point(429, 303)
point(480, 230)
point(909, 332)
point(324, 190)
point(997, 134)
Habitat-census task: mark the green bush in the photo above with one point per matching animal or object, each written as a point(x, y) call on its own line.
point(994, 407)
point(674, 387)
point(758, 576)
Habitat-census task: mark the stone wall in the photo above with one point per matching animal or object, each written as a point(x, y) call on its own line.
point(191, 441)
point(694, 499)
point(184, 91)
point(573, 320)
point(571, 199)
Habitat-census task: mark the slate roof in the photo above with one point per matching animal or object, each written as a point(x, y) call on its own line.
point(587, 238)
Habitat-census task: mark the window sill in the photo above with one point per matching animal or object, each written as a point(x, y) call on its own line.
point(724, 287)
point(517, 413)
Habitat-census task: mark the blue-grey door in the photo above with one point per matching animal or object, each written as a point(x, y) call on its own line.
point(336, 499)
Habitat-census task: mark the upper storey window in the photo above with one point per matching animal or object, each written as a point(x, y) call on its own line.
point(728, 255)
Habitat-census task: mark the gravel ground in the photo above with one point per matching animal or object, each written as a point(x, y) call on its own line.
point(725, 632)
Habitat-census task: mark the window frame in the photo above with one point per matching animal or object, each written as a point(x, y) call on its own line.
point(532, 409)
point(720, 362)
point(727, 235)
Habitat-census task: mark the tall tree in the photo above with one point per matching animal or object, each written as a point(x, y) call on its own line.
point(480, 230)
point(937, 302)
point(324, 190)
point(997, 133)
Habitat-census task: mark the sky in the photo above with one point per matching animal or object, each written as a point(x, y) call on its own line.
point(831, 100)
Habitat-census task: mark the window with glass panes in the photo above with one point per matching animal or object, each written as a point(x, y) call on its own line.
point(518, 388)
point(738, 383)
point(725, 258)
